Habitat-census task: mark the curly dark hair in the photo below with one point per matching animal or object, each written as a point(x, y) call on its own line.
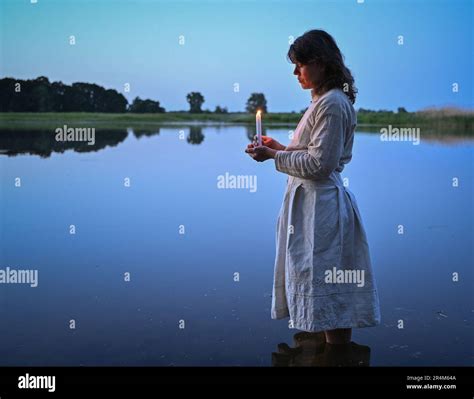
point(318, 46)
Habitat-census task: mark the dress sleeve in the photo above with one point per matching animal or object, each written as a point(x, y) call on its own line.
point(324, 149)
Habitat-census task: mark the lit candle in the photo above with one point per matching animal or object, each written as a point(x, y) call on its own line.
point(259, 127)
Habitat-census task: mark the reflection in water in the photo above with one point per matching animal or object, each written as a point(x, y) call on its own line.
point(43, 142)
point(312, 350)
point(450, 137)
point(144, 132)
point(252, 132)
point(195, 135)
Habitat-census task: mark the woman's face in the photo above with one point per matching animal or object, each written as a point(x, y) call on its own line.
point(307, 74)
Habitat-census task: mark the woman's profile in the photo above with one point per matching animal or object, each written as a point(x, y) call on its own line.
point(323, 278)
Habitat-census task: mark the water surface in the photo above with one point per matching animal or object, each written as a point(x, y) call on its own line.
point(191, 277)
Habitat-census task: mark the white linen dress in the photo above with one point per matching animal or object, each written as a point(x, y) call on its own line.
point(319, 227)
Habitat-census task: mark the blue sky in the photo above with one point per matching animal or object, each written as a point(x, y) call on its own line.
point(242, 42)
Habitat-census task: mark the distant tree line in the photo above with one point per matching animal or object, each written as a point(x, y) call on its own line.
point(400, 110)
point(41, 95)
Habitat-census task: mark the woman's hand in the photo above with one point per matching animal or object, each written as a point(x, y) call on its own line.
point(271, 143)
point(260, 153)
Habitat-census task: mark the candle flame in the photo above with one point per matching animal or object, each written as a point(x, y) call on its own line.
point(259, 112)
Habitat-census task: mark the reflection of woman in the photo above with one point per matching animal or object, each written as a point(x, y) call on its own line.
point(312, 350)
point(320, 234)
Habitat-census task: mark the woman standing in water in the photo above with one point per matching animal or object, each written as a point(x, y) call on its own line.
point(323, 279)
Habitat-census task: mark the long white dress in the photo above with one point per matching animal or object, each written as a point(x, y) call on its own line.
point(323, 277)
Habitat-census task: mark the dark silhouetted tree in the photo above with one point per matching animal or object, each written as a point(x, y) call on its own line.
point(195, 100)
point(220, 110)
point(145, 106)
point(256, 102)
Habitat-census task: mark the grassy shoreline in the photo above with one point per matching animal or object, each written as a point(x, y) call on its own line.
point(428, 121)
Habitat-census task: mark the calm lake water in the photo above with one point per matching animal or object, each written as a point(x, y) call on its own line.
point(188, 280)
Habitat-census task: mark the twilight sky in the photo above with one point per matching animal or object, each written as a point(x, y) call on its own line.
point(244, 42)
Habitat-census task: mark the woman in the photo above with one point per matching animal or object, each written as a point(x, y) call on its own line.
point(323, 276)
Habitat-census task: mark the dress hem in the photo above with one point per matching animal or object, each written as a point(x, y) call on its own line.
point(323, 325)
